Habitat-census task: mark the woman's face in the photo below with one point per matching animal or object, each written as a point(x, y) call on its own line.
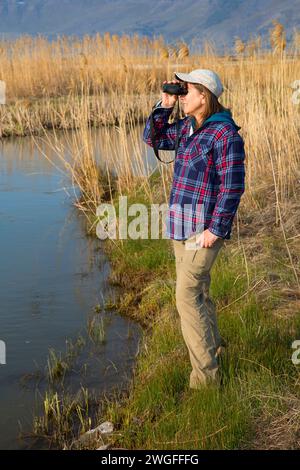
point(194, 102)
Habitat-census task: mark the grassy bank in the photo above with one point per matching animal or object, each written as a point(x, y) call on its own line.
point(258, 302)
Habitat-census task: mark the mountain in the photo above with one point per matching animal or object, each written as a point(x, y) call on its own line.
point(216, 20)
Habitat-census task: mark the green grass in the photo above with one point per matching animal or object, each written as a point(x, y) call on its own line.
point(59, 364)
point(64, 416)
point(168, 412)
point(160, 411)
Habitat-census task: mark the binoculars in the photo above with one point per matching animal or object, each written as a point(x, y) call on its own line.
point(175, 88)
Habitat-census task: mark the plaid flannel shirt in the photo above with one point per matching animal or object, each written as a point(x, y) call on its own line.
point(209, 174)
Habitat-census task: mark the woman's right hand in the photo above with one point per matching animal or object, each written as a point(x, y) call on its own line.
point(168, 101)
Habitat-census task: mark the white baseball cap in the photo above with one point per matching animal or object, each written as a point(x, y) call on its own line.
point(205, 77)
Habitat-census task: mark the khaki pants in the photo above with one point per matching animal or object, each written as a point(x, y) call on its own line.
point(196, 310)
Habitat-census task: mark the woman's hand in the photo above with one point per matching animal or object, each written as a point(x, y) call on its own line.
point(206, 239)
point(168, 101)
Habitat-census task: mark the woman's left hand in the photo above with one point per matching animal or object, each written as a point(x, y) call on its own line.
point(206, 239)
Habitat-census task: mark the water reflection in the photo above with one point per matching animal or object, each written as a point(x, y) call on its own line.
point(111, 146)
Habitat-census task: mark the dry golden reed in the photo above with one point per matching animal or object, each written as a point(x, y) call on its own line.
point(114, 81)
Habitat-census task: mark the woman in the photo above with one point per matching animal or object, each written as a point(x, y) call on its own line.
point(208, 183)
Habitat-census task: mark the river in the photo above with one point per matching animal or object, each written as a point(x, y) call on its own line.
point(52, 276)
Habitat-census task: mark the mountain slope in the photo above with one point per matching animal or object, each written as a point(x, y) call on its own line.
point(216, 20)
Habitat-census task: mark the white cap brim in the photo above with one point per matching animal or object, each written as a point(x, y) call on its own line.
point(185, 77)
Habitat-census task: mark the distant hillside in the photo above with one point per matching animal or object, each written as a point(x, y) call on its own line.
point(216, 20)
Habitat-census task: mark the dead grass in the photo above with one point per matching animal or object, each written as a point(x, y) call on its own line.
point(280, 429)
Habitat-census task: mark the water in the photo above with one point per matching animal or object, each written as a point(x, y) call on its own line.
point(52, 275)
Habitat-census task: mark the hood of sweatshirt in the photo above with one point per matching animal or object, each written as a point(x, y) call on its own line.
point(224, 116)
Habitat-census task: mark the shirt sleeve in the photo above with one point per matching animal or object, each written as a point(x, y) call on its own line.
point(229, 157)
point(165, 133)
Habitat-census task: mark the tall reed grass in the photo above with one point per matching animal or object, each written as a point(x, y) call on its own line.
point(113, 81)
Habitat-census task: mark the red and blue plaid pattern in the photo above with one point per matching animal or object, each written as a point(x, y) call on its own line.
point(209, 174)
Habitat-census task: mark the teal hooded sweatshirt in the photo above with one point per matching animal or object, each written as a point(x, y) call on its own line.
point(224, 116)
